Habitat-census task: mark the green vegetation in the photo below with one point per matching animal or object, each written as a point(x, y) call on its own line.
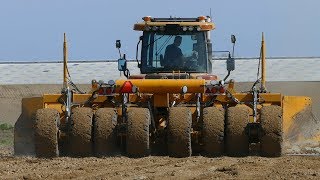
point(5, 126)
point(6, 135)
point(5, 142)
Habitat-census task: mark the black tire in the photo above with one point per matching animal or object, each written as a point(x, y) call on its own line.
point(137, 141)
point(46, 133)
point(80, 142)
point(272, 134)
point(179, 132)
point(104, 137)
point(213, 131)
point(237, 141)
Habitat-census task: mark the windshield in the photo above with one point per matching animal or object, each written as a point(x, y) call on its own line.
point(185, 51)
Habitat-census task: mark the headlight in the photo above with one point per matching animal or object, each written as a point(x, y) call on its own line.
point(111, 82)
point(184, 28)
point(184, 89)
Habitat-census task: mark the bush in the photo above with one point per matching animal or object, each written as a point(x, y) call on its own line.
point(5, 126)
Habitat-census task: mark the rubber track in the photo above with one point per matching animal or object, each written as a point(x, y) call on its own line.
point(272, 135)
point(237, 142)
point(137, 142)
point(213, 131)
point(80, 143)
point(104, 137)
point(179, 132)
point(46, 133)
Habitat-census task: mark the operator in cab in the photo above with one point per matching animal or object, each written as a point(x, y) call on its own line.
point(173, 55)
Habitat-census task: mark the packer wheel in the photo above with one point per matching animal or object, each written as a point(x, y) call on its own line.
point(271, 137)
point(80, 143)
point(104, 137)
point(213, 131)
point(137, 141)
point(237, 142)
point(46, 133)
point(179, 132)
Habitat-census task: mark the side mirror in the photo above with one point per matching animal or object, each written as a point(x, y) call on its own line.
point(118, 44)
point(230, 63)
point(122, 64)
point(233, 39)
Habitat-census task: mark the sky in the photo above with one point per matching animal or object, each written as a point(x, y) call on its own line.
point(32, 30)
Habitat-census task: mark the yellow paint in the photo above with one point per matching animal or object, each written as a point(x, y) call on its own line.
point(65, 62)
point(231, 88)
point(31, 105)
point(274, 98)
point(205, 26)
point(292, 105)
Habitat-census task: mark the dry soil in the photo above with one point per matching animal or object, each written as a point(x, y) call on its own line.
point(155, 167)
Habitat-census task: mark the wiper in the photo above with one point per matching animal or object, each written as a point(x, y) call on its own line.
point(155, 40)
point(164, 44)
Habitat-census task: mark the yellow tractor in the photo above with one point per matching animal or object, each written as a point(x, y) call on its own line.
point(176, 106)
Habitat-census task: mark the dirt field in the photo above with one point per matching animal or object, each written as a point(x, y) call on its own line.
point(161, 168)
point(197, 167)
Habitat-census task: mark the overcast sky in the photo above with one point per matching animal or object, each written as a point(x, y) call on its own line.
point(33, 29)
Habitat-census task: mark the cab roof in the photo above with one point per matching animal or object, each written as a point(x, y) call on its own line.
point(201, 23)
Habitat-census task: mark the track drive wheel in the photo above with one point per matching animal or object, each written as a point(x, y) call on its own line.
point(104, 137)
point(213, 131)
point(137, 141)
point(179, 132)
point(80, 143)
point(271, 124)
point(46, 133)
point(237, 142)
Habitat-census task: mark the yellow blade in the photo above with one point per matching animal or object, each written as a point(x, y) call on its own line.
point(24, 127)
point(300, 127)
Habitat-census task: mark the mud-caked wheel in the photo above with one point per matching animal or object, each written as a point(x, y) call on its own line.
point(271, 136)
point(237, 141)
point(179, 132)
point(137, 140)
point(46, 133)
point(80, 142)
point(213, 131)
point(104, 137)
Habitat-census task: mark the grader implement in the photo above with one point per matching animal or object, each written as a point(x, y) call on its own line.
point(176, 106)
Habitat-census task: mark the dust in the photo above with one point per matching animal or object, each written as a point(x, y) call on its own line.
point(303, 136)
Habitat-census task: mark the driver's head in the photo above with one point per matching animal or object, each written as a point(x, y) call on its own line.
point(177, 40)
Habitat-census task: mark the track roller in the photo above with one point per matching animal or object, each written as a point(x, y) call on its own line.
point(137, 141)
point(271, 138)
point(213, 131)
point(80, 143)
point(237, 142)
point(179, 132)
point(104, 137)
point(46, 133)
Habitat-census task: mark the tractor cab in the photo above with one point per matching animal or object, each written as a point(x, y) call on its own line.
point(175, 44)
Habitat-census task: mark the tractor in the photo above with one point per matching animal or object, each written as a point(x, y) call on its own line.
point(176, 106)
